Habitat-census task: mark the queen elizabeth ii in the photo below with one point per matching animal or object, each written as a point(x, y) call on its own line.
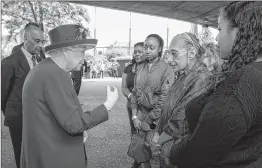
point(53, 119)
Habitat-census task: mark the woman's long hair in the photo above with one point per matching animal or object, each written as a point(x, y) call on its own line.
point(247, 17)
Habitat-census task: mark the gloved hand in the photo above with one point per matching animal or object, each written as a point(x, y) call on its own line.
point(85, 136)
point(112, 97)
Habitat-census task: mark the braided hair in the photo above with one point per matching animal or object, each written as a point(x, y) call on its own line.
point(247, 17)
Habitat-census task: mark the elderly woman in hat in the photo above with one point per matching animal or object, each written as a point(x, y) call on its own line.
point(53, 119)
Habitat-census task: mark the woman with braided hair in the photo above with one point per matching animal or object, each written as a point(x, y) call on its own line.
point(225, 123)
point(187, 55)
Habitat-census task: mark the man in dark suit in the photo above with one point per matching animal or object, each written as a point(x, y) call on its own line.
point(16, 48)
point(14, 70)
point(77, 79)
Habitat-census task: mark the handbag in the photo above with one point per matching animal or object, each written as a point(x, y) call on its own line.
point(137, 148)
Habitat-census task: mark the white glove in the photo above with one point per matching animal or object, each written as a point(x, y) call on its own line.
point(85, 135)
point(112, 97)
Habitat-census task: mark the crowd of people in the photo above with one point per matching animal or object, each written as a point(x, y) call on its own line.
point(194, 106)
point(199, 105)
point(92, 70)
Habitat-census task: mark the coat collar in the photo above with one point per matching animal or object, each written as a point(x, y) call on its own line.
point(153, 66)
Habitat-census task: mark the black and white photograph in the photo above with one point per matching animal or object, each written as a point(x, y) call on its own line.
point(131, 84)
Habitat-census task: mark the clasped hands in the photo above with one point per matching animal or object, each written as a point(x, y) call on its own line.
point(155, 145)
point(141, 125)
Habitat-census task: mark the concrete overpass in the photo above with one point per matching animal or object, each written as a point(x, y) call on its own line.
point(199, 12)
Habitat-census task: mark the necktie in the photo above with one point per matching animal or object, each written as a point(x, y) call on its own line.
point(34, 60)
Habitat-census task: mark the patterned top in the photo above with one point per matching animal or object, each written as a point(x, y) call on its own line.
point(151, 88)
point(226, 125)
point(189, 85)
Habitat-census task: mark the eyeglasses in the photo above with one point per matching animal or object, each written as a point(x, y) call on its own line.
point(175, 53)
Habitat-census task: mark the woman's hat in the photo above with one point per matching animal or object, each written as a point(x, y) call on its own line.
point(69, 35)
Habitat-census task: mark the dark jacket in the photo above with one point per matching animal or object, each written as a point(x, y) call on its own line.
point(228, 130)
point(77, 74)
point(150, 89)
point(14, 70)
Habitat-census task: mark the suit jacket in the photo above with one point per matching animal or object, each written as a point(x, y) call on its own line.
point(17, 48)
point(77, 74)
point(85, 66)
point(14, 70)
point(53, 119)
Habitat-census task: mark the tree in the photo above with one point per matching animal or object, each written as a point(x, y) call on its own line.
point(114, 52)
point(206, 35)
point(47, 14)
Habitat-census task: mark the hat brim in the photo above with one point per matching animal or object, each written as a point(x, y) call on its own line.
point(89, 43)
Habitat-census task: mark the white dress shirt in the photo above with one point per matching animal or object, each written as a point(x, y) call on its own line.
point(28, 57)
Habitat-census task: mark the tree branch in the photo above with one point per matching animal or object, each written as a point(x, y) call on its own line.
point(41, 24)
point(33, 11)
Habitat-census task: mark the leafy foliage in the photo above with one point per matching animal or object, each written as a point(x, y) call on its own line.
point(114, 53)
point(16, 14)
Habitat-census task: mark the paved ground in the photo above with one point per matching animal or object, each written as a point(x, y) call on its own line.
point(107, 143)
